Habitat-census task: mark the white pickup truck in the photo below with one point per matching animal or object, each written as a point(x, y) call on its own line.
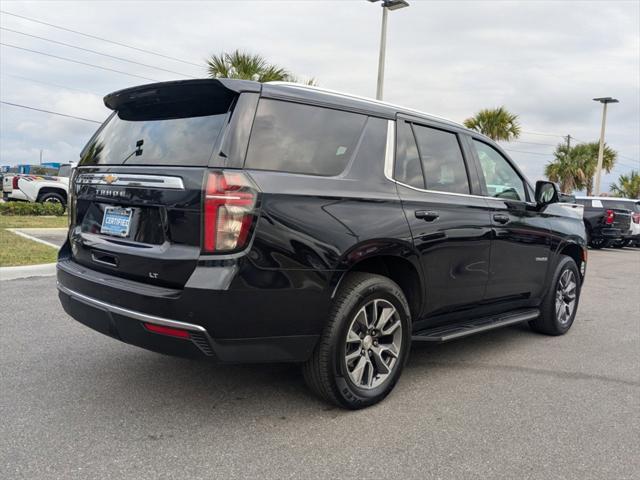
point(46, 188)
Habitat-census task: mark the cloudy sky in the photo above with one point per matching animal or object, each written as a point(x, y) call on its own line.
point(543, 60)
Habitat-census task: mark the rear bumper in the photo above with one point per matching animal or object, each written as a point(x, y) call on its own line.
point(609, 233)
point(120, 308)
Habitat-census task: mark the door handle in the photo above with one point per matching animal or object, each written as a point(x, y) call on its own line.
point(501, 218)
point(426, 215)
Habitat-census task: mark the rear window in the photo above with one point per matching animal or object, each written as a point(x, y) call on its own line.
point(175, 141)
point(617, 204)
point(291, 137)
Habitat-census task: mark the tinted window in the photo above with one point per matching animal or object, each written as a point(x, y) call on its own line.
point(442, 161)
point(64, 171)
point(154, 141)
point(501, 179)
point(296, 138)
point(620, 204)
point(407, 166)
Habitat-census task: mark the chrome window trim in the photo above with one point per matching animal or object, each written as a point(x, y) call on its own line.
point(143, 317)
point(389, 163)
point(132, 180)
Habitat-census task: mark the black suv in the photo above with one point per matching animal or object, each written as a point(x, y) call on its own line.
point(248, 222)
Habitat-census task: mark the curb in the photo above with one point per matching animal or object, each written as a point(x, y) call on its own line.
point(13, 273)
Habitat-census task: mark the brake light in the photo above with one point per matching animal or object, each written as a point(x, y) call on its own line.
point(229, 210)
point(635, 217)
point(610, 217)
point(162, 330)
point(14, 182)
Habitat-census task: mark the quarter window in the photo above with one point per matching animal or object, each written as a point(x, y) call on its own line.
point(501, 179)
point(291, 137)
point(442, 161)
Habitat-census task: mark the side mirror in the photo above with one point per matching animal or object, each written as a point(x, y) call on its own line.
point(546, 193)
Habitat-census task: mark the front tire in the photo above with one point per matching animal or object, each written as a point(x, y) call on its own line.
point(558, 309)
point(598, 243)
point(365, 344)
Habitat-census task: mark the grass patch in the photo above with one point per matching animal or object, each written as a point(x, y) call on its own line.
point(15, 250)
point(8, 221)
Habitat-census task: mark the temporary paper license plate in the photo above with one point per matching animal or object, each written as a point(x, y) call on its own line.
point(116, 221)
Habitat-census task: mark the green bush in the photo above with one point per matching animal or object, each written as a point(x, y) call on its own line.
point(25, 208)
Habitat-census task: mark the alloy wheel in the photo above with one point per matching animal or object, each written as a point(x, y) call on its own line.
point(373, 344)
point(566, 293)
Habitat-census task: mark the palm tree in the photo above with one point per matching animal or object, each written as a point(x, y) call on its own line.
point(566, 169)
point(587, 154)
point(574, 167)
point(249, 66)
point(497, 124)
point(628, 185)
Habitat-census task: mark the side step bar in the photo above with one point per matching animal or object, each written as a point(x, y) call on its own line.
point(462, 329)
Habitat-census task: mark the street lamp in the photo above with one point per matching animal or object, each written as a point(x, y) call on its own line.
point(386, 5)
point(604, 101)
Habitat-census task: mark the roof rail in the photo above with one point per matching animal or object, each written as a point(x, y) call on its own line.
point(364, 99)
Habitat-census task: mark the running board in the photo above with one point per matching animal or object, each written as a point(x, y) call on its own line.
point(463, 329)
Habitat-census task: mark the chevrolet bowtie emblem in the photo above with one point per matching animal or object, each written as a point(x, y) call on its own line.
point(109, 179)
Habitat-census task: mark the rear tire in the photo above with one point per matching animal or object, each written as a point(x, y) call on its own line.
point(559, 307)
point(365, 343)
point(52, 197)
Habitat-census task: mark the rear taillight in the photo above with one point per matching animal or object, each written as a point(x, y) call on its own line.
point(610, 217)
point(635, 217)
point(14, 182)
point(229, 209)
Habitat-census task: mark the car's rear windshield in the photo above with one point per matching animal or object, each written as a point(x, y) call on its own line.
point(174, 141)
point(618, 204)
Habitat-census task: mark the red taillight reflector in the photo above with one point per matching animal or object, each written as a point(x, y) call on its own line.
point(610, 217)
point(14, 182)
point(229, 209)
point(635, 217)
point(162, 330)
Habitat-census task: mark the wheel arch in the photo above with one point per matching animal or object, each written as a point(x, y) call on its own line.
point(404, 270)
point(44, 190)
point(577, 252)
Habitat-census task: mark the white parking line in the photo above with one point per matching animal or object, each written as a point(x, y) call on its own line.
point(31, 237)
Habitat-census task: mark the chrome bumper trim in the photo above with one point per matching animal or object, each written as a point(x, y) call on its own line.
point(143, 317)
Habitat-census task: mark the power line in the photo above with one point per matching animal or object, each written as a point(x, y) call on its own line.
point(79, 62)
point(543, 134)
point(530, 153)
point(534, 143)
point(100, 38)
point(49, 111)
point(94, 51)
point(50, 84)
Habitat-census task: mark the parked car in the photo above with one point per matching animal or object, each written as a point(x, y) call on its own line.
point(46, 188)
point(247, 222)
point(10, 189)
point(632, 236)
point(605, 223)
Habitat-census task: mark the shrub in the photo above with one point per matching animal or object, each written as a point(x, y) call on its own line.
point(25, 208)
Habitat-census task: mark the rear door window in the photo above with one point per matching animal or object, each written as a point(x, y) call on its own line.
point(442, 162)
point(408, 169)
point(297, 138)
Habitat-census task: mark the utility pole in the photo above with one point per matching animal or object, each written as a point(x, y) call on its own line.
point(568, 137)
point(386, 5)
point(604, 101)
point(40, 156)
point(383, 51)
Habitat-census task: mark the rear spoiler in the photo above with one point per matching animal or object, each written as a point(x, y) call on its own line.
point(169, 92)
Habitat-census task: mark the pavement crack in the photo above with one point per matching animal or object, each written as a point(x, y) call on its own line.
point(538, 371)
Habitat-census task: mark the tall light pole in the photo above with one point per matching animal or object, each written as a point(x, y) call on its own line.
point(604, 101)
point(386, 5)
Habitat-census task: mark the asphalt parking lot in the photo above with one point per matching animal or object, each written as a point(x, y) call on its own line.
point(508, 404)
